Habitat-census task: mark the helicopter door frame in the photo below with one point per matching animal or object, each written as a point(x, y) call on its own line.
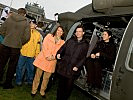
point(122, 80)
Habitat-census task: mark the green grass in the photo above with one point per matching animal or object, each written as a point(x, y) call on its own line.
point(23, 93)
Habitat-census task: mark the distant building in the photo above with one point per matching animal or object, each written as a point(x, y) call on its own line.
point(35, 11)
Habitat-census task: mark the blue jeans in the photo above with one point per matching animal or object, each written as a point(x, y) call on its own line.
point(25, 64)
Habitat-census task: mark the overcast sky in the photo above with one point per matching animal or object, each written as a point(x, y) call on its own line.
point(50, 6)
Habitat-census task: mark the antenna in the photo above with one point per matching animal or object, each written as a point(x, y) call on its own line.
point(11, 3)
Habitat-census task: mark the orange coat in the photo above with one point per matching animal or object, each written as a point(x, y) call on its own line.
point(49, 48)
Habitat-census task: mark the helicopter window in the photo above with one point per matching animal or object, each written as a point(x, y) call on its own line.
point(130, 57)
point(131, 60)
point(71, 31)
point(88, 30)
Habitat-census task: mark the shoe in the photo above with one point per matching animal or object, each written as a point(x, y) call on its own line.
point(26, 83)
point(8, 86)
point(33, 95)
point(43, 96)
point(19, 84)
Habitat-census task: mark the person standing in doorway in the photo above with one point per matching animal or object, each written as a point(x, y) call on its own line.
point(16, 32)
point(102, 56)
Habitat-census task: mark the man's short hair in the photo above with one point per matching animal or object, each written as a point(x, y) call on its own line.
point(22, 11)
point(80, 26)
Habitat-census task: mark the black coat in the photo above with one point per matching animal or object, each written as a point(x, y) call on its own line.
point(73, 54)
point(107, 52)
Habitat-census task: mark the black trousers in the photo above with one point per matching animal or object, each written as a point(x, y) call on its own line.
point(10, 55)
point(65, 87)
point(94, 71)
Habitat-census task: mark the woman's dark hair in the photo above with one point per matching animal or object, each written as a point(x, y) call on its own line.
point(109, 34)
point(57, 29)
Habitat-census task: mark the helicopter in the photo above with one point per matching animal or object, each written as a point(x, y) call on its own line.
point(116, 16)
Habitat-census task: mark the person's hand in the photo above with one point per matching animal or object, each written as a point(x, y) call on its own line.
point(97, 55)
point(75, 69)
point(58, 56)
point(48, 58)
point(93, 56)
point(52, 57)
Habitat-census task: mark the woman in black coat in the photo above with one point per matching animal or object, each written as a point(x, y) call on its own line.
point(71, 57)
point(102, 56)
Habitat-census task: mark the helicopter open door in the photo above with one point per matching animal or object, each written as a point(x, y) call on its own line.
point(122, 80)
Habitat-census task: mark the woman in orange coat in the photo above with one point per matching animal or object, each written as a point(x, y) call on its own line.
point(46, 61)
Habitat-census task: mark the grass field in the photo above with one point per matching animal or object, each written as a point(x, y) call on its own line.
point(23, 93)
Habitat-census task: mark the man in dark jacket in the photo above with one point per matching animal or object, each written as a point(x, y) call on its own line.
point(71, 57)
point(16, 32)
